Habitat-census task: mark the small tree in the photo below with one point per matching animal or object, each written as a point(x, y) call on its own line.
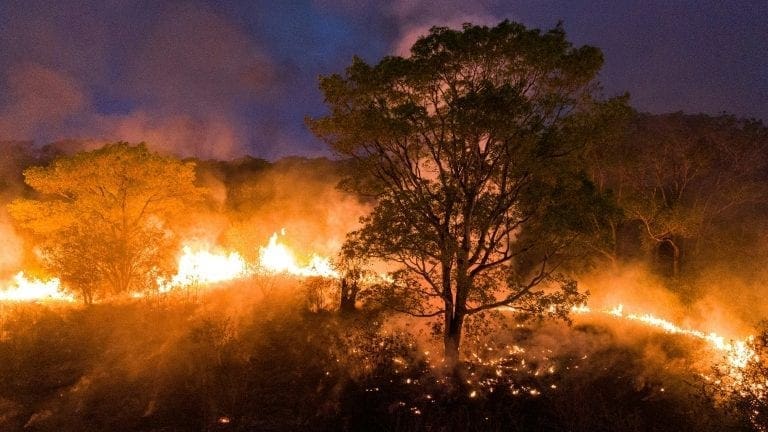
point(102, 216)
point(352, 267)
point(470, 147)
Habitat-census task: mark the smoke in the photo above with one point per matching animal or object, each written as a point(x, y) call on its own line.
point(299, 196)
point(11, 253)
point(39, 98)
point(702, 305)
point(406, 20)
point(16, 156)
point(179, 134)
point(180, 78)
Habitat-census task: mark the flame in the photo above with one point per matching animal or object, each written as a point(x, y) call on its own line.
point(25, 289)
point(203, 267)
point(197, 265)
point(276, 257)
point(738, 354)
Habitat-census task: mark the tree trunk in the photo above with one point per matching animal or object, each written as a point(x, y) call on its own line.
point(349, 289)
point(87, 294)
point(675, 258)
point(454, 316)
point(452, 337)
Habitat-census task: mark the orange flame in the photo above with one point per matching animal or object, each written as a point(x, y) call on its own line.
point(203, 267)
point(738, 353)
point(276, 257)
point(25, 289)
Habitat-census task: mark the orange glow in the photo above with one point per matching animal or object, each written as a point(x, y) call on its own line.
point(276, 257)
point(198, 265)
point(737, 352)
point(22, 288)
point(203, 267)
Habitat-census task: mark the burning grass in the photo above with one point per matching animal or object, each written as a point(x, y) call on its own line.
point(23, 288)
point(199, 265)
point(251, 353)
point(232, 345)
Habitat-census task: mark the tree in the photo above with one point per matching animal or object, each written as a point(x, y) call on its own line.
point(102, 216)
point(352, 268)
point(677, 176)
point(470, 146)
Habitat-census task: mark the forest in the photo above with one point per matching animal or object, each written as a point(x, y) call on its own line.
point(494, 245)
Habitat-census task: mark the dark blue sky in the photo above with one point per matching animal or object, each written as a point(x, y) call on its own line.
point(227, 78)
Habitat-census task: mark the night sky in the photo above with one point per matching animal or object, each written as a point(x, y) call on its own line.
point(228, 78)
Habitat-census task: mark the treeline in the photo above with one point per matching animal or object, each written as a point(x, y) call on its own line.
point(684, 195)
point(690, 192)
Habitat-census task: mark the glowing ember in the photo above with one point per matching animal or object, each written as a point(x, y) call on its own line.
point(277, 258)
point(25, 289)
point(205, 267)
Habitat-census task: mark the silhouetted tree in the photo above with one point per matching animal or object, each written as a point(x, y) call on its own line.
point(352, 267)
point(469, 146)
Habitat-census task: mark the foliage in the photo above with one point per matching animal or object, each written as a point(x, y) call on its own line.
point(102, 216)
point(470, 146)
point(678, 176)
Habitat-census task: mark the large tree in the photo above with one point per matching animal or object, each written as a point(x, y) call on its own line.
point(470, 146)
point(102, 216)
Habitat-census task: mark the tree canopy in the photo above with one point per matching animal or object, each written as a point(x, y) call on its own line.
point(470, 146)
point(681, 181)
point(102, 216)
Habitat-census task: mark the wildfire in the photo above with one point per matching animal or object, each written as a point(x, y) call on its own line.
point(23, 288)
point(738, 353)
point(276, 257)
point(203, 267)
point(197, 266)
